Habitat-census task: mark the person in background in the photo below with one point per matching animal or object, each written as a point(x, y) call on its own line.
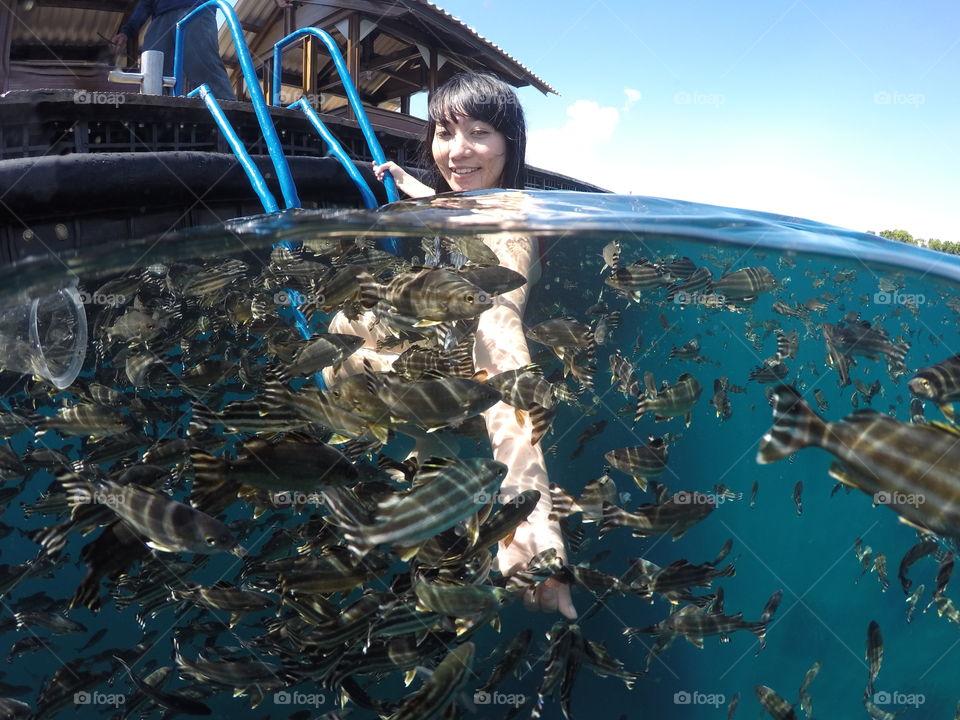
point(201, 52)
point(475, 139)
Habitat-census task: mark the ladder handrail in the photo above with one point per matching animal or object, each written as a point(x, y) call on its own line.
point(369, 199)
point(246, 162)
point(257, 98)
point(352, 95)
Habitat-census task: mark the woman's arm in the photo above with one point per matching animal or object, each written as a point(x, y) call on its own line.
point(501, 345)
point(406, 183)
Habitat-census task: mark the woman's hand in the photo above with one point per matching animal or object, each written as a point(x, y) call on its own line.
point(406, 183)
point(530, 539)
point(118, 44)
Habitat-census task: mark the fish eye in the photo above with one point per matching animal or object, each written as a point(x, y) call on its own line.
point(211, 541)
point(469, 298)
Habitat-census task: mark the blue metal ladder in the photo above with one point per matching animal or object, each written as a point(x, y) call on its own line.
point(267, 128)
point(269, 131)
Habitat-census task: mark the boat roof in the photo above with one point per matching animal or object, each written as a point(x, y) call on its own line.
point(404, 47)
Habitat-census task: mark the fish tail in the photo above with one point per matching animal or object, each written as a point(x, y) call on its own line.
point(52, 539)
point(369, 290)
point(201, 418)
point(642, 409)
point(541, 419)
point(613, 517)
point(795, 426)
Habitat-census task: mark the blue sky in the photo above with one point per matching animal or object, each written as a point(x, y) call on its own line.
point(846, 113)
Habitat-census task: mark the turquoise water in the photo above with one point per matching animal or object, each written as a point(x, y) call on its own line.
point(825, 608)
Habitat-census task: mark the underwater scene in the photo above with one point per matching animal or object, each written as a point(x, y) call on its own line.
point(746, 418)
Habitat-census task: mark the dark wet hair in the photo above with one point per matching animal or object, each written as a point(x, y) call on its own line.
point(483, 97)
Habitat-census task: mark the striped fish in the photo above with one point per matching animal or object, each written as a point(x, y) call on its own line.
point(431, 295)
point(860, 339)
point(687, 351)
point(874, 655)
point(694, 624)
point(526, 389)
point(432, 402)
point(417, 360)
point(439, 691)
point(912, 601)
point(806, 702)
point(640, 462)
point(778, 708)
point(611, 255)
point(674, 516)
point(680, 269)
point(564, 659)
point(940, 383)
point(744, 284)
point(915, 553)
point(212, 280)
point(672, 401)
point(447, 491)
point(565, 335)
point(494, 280)
point(943, 574)
point(320, 351)
point(637, 276)
point(795, 311)
point(772, 370)
point(787, 344)
point(681, 292)
point(314, 406)
point(720, 401)
point(911, 468)
point(168, 525)
point(621, 372)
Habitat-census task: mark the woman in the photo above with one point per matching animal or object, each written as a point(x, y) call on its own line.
point(476, 140)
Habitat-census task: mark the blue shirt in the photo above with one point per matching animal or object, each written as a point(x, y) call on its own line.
point(150, 9)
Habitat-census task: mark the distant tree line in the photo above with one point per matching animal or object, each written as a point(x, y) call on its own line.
point(933, 243)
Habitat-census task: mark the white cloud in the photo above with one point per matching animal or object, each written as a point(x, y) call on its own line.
point(581, 147)
point(633, 97)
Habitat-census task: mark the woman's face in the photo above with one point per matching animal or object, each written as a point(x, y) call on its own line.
point(469, 153)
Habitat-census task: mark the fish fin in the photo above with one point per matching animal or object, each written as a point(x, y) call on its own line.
point(407, 553)
point(518, 414)
point(641, 482)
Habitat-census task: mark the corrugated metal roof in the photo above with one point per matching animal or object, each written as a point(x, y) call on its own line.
point(545, 87)
point(42, 25)
point(265, 15)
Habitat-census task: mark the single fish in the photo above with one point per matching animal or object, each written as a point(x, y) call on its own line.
point(874, 655)
point(908, 467)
